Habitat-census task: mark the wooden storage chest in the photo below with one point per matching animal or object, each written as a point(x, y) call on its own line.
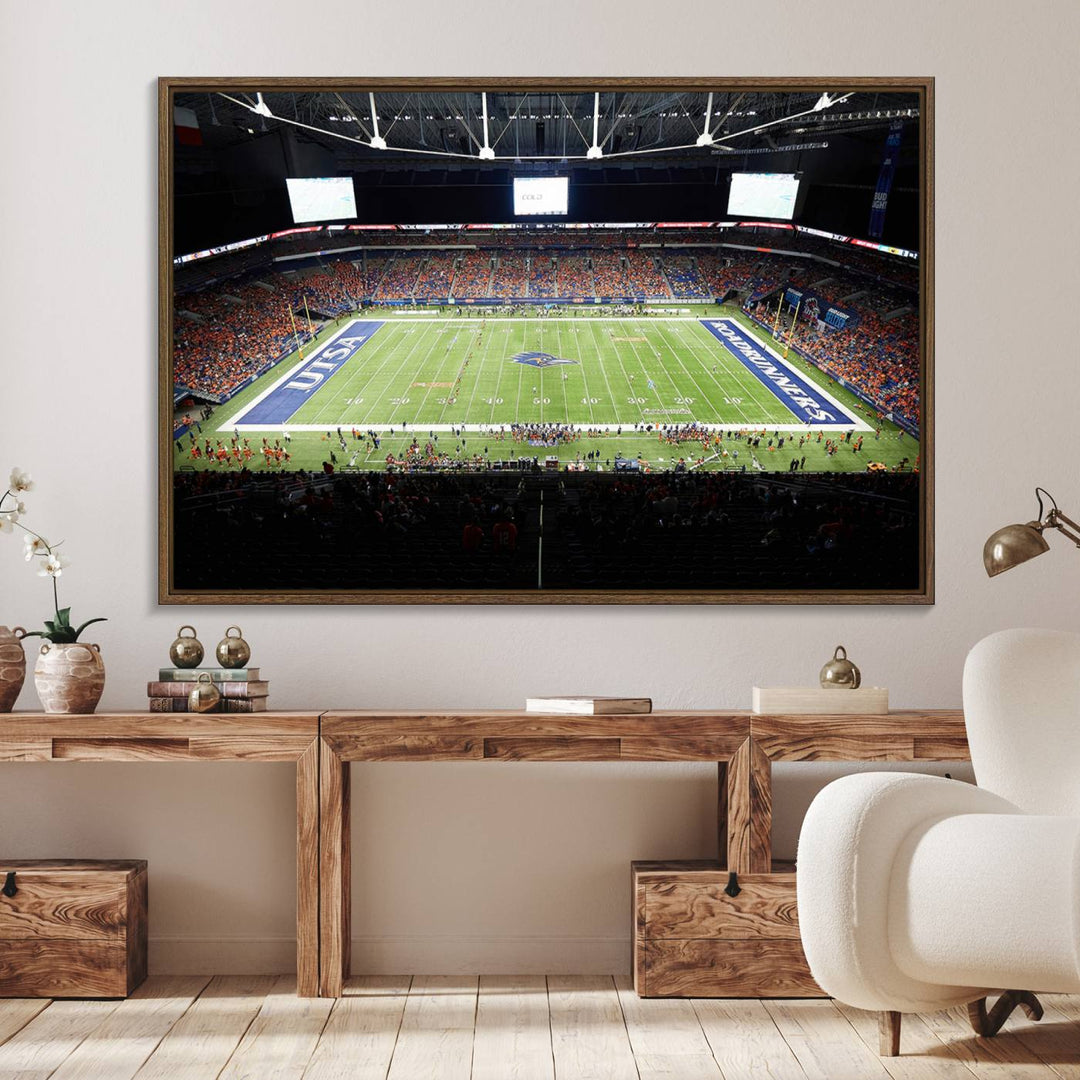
point(71, 928)
point(692, 939)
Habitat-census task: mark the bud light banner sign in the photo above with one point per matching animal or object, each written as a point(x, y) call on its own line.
point(885, 180)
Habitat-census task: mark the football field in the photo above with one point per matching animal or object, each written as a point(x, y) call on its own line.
point(616, 379)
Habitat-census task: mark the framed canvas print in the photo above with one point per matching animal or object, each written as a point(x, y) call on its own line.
point(546, 340)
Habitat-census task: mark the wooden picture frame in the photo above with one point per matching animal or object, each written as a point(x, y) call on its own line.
point(174, 590)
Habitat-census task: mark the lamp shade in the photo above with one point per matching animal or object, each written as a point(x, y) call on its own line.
point(1012, 545)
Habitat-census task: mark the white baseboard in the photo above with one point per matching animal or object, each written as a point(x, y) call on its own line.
point(430, 954)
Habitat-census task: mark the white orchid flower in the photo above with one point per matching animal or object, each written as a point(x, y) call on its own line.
point(53, 566)
point(7, 522)
point(20, 481)
point(34, 545)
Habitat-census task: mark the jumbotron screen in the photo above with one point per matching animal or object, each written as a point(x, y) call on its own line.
point(770, 195)
point(322, 198)
point(541, 195)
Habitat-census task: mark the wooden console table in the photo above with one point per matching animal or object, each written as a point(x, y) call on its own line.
point(742, 744)
point(260, 737)
point(323, 745)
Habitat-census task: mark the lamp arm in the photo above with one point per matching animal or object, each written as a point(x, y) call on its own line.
point(1057, 520)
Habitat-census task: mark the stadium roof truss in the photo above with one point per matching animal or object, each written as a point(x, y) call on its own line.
point(539, 127)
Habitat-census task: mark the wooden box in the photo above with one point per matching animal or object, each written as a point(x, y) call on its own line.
point(691, 939)
point(72, 928)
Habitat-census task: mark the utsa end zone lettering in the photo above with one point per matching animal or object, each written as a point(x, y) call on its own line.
point(328, 362)
point(278, 404)
point(777, 375)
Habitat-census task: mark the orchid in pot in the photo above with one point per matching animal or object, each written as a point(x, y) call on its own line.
point(69, 675)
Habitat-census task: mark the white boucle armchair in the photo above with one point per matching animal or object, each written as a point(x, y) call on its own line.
point(917, 893)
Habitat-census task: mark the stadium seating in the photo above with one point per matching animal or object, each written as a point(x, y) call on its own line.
point(380, 530)
point(399, 281)
point(233, 335)
point(508, 280)
point(473, 276)
point(610, 274)
point(436, 275)
point(542, 275)
point(683, 278)
point(644, 276)
point(228, 330)
point(575, 276)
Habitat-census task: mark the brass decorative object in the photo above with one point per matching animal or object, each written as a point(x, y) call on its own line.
point(233, 652)
point(12, 666)
point(840, 673)
point(187, 651)
point(1014, 544)
point(204, 696)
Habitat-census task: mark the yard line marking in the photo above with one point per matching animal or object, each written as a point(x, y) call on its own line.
point(437, 376)
point(749, 388)
point(648, 379)
point(390, 382)
point(350, 376)
point(603, 369)
point(476, 374)
point(704, 396)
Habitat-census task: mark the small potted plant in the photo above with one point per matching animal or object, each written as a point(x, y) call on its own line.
point(69, 674)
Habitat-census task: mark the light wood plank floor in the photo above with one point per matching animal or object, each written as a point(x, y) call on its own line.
point(524, 1027)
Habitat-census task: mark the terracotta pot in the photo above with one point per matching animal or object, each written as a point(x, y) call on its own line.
point(69, 678)
point(12, 666)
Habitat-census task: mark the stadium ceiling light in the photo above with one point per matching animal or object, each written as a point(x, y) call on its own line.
point(594, 152)
point(261, 108)
point(1015, 544)
point(377, 142)
point(705, 138)
point(486, 152)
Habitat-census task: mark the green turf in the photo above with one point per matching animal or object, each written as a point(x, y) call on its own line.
point(457, 370)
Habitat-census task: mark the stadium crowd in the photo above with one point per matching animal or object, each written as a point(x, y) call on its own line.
point(226, 332)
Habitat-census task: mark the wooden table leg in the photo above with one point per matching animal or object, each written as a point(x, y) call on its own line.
point(334, 872)
point(722, 813)
point(749, 810)
point(307, 872)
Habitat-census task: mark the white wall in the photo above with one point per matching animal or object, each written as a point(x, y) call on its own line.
point(493, 867)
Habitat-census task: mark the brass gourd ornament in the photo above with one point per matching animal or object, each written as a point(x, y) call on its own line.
point(186, 651)
point(204, 695)
point(233, 652)
point(840, 673)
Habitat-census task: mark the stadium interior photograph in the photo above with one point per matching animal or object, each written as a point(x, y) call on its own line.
point(612, 429)
point(482, 340)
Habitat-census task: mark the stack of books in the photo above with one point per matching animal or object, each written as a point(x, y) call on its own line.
point(241, 689)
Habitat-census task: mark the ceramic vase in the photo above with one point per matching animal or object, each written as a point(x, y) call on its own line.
point(69, 678)
point(12, 666)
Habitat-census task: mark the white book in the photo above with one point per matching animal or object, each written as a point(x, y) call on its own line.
point(588, 706)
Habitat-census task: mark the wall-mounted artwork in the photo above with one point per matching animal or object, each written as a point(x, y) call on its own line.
point(546, 341)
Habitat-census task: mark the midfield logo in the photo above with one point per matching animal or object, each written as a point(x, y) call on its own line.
point(539, 359)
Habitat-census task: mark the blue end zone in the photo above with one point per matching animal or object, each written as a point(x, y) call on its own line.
point(284, 400)
point(797, 394)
